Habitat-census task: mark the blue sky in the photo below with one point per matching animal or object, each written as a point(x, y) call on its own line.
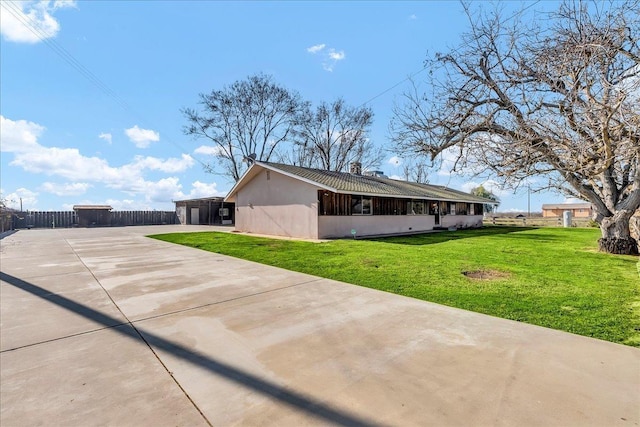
point(91, 104)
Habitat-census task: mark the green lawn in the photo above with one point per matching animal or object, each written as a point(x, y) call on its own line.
point(551, 277)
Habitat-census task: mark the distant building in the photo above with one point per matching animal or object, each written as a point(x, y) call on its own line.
point(93, 215)
point(205, 211)
point(578, 210)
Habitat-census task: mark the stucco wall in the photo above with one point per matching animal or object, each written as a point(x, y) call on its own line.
point(341, 226)
point(461, 221)
point(275, 204)
point(558, 213)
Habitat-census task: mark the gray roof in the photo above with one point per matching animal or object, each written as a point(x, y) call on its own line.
point(92, 207)
point(342, 182)
point(201, 199)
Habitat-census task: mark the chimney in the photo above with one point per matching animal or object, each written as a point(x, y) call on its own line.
point(355, 168)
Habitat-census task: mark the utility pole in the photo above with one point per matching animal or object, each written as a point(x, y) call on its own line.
point(529, 201)
point(20, 204)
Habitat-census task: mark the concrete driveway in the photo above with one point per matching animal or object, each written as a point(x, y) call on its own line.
point(108, 327)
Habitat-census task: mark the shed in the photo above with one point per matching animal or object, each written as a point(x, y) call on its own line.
point(93, 215)
point(578, 210)
point(205, 211)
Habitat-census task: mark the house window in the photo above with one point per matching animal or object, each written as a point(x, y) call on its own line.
point(444, 209)
point(433, 208)
point(461, 208)
point(472, 209)
point(452, 208)
point(416, 207)
point(388, 206)
point(360, 205)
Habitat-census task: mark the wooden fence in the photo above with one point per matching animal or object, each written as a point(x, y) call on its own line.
point(67, 219)
point(536, 222)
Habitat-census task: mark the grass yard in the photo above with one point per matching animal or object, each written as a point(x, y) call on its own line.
point(551, 277)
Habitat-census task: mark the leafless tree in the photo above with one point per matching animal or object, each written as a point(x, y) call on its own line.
point(557, 97)
point(334, 135)
point(416, 171)
point(252, 116)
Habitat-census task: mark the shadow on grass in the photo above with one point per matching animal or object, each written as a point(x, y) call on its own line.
point(279, 393)
point(446, 236)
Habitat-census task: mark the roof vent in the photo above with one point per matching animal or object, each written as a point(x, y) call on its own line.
point(355, 168)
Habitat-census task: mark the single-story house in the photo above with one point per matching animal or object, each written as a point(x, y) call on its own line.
point(93, 215)
point(578, 210)
point(205, 211)
point(284, 200)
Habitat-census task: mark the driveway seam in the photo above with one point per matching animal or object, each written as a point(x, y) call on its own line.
point(141, 337)
point(227, 300)
point(64, 337)
point(143, 319)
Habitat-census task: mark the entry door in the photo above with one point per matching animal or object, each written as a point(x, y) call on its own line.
point(195, 215)
point(436, 213)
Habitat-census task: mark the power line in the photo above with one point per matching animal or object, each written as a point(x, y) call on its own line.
point(415, 73)
point(412, 75)
point(65, 55)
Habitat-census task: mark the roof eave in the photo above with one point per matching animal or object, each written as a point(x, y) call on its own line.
point(437, 198)
point(231, 196)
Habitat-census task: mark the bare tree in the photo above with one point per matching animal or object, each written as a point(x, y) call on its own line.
point(252, 116)
point(416, 171)
point(334, 135)
point(558, 98)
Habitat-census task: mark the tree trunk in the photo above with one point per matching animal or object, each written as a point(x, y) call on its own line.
point(616, 237)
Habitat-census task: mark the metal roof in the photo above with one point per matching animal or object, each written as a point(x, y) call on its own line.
point(347, 183)
point(92, 207)
point(201, 199)
point(567, 206)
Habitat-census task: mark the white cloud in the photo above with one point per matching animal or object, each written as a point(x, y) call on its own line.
point(209, 150)
point(30, 21)
point(201, 189)
point(397, 177)
point(83, 172)
point(171, 165)
point(29, 199)
point(316, 48)
point(395, 161)
point(448, 160)
point(489, 184)
point(337, 56)
point(127, 205)
point(67, 189)
point(413, 17)
point(573, 200)
point(61, 4)
point(142, 137)
point(107, 137)
point(18, 136)
point(330, 56)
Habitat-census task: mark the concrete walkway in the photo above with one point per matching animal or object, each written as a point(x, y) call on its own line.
point(107, 327)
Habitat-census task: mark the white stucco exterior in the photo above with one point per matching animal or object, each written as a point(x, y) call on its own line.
point(274, 202)
point(461, 221)
point(277, 205)
point(366, 225)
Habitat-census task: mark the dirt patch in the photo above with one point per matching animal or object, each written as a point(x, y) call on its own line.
point(485, 274)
